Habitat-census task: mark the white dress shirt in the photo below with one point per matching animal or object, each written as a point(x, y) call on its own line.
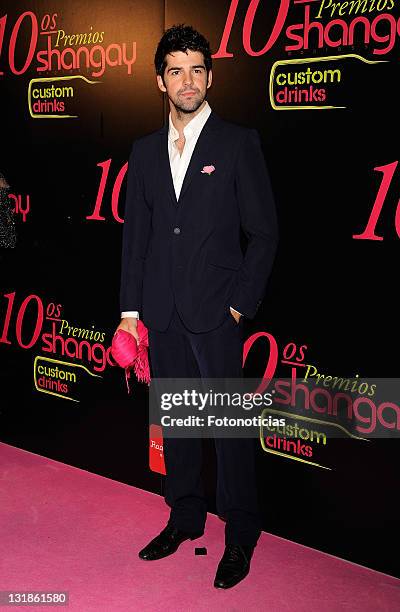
point(179, 163)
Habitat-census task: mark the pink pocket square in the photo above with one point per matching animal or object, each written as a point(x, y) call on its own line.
point(130, 355)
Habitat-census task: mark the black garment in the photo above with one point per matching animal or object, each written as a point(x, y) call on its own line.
point(180, 353)
point(189, 250)
point(185, 256)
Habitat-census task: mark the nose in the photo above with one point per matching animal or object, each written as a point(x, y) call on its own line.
point(188, 79)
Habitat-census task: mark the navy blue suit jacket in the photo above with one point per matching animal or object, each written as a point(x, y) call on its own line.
point(191, 248)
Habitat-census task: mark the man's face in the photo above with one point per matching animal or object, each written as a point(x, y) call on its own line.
point(185, 79)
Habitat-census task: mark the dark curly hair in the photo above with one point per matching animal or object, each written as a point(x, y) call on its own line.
point(181, 37)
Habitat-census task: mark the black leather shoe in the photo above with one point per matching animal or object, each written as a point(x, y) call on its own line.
point(234, 565)
point(166, 543)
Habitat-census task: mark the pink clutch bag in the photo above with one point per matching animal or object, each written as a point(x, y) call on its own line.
point(130, 355)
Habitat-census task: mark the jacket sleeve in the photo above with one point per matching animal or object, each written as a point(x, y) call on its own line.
point(259, 223)
point(135, 236)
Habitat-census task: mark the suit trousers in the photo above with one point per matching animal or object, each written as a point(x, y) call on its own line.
point(180, 353)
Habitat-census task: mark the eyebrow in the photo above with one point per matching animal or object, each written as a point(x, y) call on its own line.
point(180, 67)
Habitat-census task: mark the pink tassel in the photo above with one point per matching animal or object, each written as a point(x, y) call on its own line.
point(130, 355)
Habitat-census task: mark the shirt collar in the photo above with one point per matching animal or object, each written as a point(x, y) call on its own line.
point(194, 126)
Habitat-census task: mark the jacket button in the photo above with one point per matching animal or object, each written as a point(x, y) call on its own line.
point(177, 230)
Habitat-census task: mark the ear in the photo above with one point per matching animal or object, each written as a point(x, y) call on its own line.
point(160, 84)
point(209, 79)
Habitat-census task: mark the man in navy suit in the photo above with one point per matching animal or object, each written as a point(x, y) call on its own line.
point(192, 187)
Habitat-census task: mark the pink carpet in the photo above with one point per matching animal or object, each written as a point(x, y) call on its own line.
point(66, 529)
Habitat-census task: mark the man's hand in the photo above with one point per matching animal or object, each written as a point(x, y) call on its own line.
point(129, 324)
point(235, 315)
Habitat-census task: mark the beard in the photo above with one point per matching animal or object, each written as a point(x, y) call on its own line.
point(190, 105)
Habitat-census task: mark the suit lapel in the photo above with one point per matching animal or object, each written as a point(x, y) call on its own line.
point(165, 166)
point(199, 156)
